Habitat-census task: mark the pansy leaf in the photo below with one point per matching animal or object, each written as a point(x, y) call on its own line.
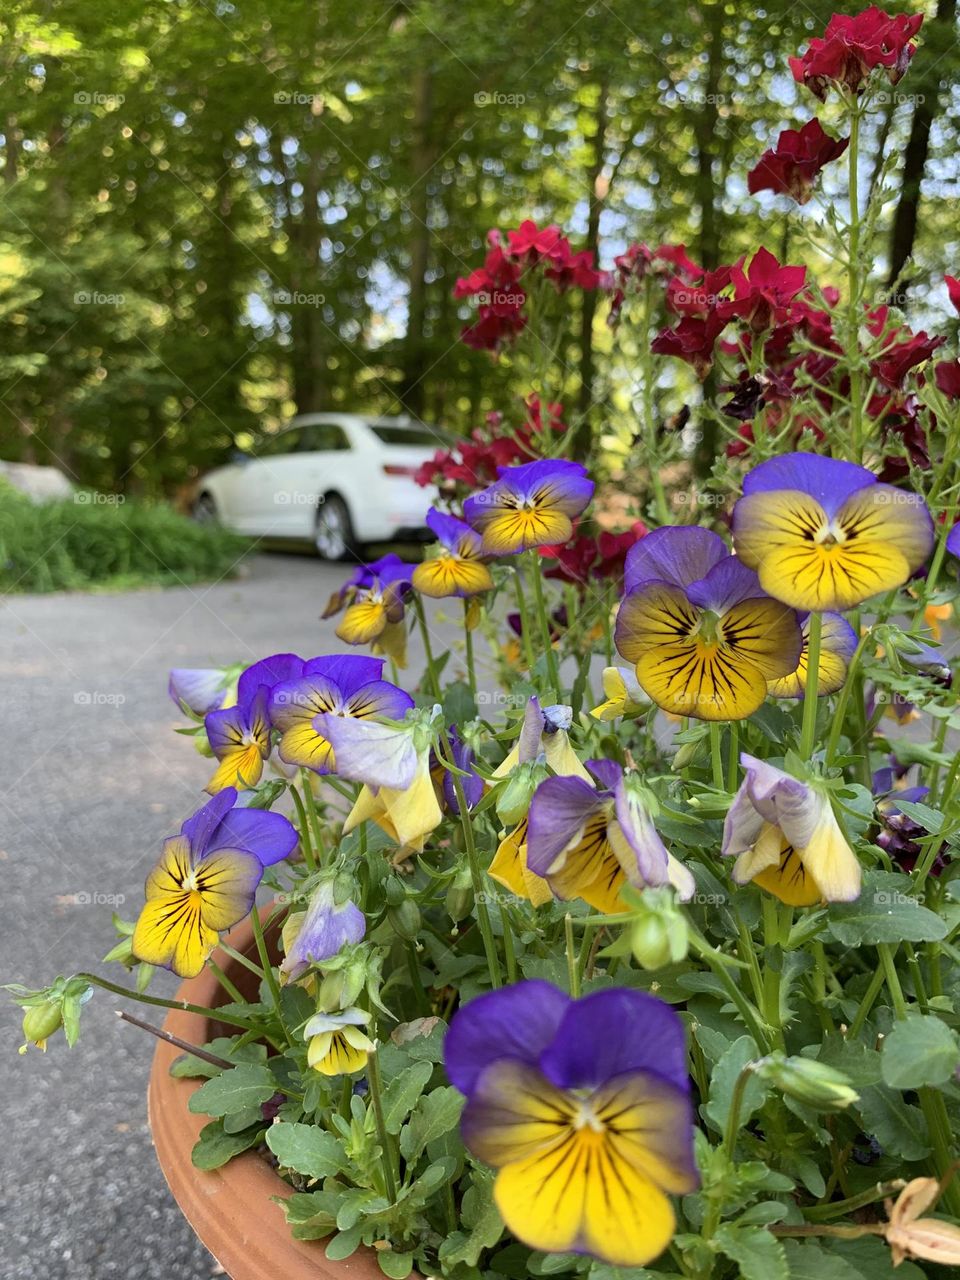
point(886, 911)
point(343, 1244)
point(395, 1265)
point(896, 1125)
point(919, 1051)
point(234, 1090)
point(402, 1093)
point(481, 1216)
point(873, 1259)
point(190, 1067)
point(758, 1254)
point(306, 1148)
point(810, 1261)
point(215, 1146)
point(724, 1079)
point(435, 1115)
point(310, 1215)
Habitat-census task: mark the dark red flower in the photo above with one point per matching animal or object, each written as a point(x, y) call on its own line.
point(693, 340)
point(953, 290)
point(585, 558)
point(633, 266)
point(762, 294)
point(947, 377)
point(898, 358)
point(792, 166)
point(689, 298)
point(533, 244)
point(851, 47)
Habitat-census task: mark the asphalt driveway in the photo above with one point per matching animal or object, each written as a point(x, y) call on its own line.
point(93, 780)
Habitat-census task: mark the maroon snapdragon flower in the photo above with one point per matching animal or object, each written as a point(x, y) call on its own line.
point(953, 290)
point(694, 339)
point(585, 558)
point(896, 359)
point(763, 293)
point(946, 375)
point(639, 261)
point(791, 167)
point(851, 47)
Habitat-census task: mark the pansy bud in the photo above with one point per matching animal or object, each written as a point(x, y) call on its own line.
point(405, 919)
point(658, 934)
point(39, 1022)
point(459, 900)
point(513, 802)
point(815, 1084)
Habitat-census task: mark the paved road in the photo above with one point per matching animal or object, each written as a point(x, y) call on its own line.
point(93, 780)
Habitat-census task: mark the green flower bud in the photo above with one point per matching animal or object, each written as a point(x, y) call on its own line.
point(394, 891)
point(685, 755)
point(41, 1021)
point(405, 919)
point(460, 895)
point(659, 938)
point(813, 1083)
point(513, 801)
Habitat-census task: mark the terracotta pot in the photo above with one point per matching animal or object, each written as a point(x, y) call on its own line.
point(231, 1209)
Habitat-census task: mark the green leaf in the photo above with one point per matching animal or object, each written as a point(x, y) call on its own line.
point(402, 1093)
point(311, 1215)
point(436, 1114)
point(304, 1147)
point(919, 1051)
point(481, 1215)
point(724, 1078)
point(896, 1126)
point(808, 1261)
point(243, 1086)
point(395, 1265)
point(343, 1244)
point(757, 1253)
point(189, 1067)
point(886, 911)
point(215, 1147)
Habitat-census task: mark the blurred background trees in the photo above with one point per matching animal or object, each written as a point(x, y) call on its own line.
point(214, 214)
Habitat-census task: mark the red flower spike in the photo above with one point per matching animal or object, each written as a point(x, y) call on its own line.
point(953, 290)
point(852, 47)
point(792, 166)
point(762, 295)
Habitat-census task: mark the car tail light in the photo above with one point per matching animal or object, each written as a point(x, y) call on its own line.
point(397, 469)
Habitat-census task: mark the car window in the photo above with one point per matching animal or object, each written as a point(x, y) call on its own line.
point(322, 437)
point(275, 446)
point(405, 435)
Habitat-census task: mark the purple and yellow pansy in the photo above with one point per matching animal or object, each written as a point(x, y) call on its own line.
point(583, 1108)
point(320, 932)
point(340, 685)
point(533, 505)
point(704, 636)
point(240, 736)
point(589, 842)
point(457, 568)
point(374, 614)
point(206, 881)
point(838, 640)
point(824, 534)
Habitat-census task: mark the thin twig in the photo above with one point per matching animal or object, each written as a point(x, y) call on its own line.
point(175, 1040)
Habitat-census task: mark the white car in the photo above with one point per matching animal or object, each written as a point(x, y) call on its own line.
point(338, 480)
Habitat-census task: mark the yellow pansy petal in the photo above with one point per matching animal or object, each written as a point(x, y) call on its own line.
point(764, 633)
point(170, 931)
point(338, 1058)
point(509, 868)
point(415, 812)
point(775, 518)
point(590, 870)
point(642, 1115)
point(363, 622)
point(241, 767)
point(831, 861)
point(450, 576)
point(691, 678)
point(832, 668)
point(519, 529)
point(392, 641)
point(562, 758)
point(880, 513)
point(515, 1113)
point(226, 882)
point(172, 869)
point(835, 576)
point(653, 616)
point(302, 745)
point(790, 880)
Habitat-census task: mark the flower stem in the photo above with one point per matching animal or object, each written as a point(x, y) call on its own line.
point(573, 969)
point(849, 684)
point(716, 758)
point(427, 649)
point(553, 674)
point(307, 783)
point(269, 976)
point(376, 1092)
point(808, 732)
point(733, 755)
point(200, 1010)
point(224, 981)
point(854, 287)
point(468, 651)
point(526, 633)
point(303, 824)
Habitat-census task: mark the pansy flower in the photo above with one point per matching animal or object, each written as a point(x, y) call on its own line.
point(704, 635)
point(203, 689)
point(374, 599)
point(336, 1045)
point(324, 929)
point(838, 640)
point(588, 842)
point(544, 734)
point(583, 1108)
point(206, 881)
point(622, 695)
point(785, 839)
point(393, 763)
point(824, 534)
point(529, 506)
point(457, 569)
point(340, 685)
point(240, 736)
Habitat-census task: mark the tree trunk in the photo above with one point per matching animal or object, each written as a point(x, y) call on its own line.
point(588, 309)
point(306, 322)
point(412, 390)
point(904, 230)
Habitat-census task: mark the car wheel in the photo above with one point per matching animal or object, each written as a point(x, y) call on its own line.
point(333, 537)
point(205, 509)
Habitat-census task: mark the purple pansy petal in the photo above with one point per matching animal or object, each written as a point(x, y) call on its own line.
point(450, 531)
point(269, 836)
point(366, 751)
point(326, 929)
point(607, 772)
point(226, 729)
point(558, 811)
point(678, 555)
point(610, 1033)
point(202, 689)
point(295, 700)
point(767, 794)
point(642, 837)
point(471, 786)
point(534, 721)
point(829, 480)
point(346, 670)
point(556, 717)
point(379, 698)
point(516, 1022)
point(268, 671)
point(200, 827)
point(953, 540)
point(561, 484)
point(727, 584)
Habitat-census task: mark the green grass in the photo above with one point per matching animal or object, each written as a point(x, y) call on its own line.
point(95, 541)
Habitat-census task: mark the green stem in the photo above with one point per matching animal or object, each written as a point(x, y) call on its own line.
point(200, 1010)
point(536, 573)
point(241, 959)
point(376, 1097)
point(716, 759)
point(224, 981)
point(732, 1127)
point(307, 783)
point(853, 286)
point(304, 826)
point(733, 756)
point(849, 684)
point(771, 976)
point(526, 631)
point(468, 651)
point(427, 648)
point(808, 733)
point(573, 973)
point(713, 962)
point(269, 976)
point(866, 1004)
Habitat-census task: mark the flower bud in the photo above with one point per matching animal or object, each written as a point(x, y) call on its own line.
point(460, 896)
point(658, 934)
point(405, 919)
point(41, 1021)
point(513, 801)
point(815, 1084)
